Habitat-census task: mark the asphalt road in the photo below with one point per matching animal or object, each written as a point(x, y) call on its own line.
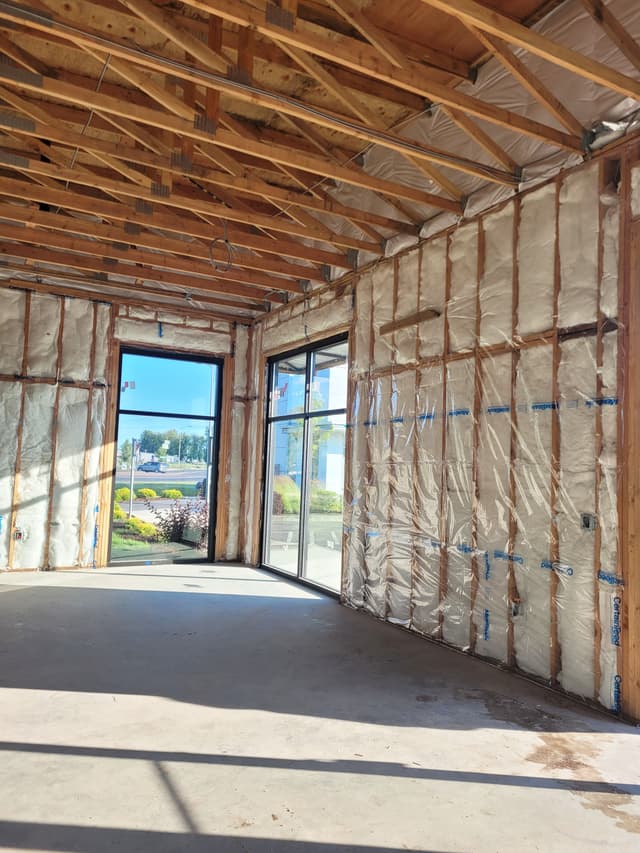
point(171, 475)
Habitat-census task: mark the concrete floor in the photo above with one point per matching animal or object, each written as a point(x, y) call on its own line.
point(213, 708)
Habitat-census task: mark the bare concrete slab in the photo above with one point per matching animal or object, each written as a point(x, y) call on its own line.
point(217, 708)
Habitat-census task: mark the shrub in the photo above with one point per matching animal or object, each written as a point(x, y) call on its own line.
point(144, 529)
point(289, 494)
point(122, 494)
point(147, 494)
point(173, 520)
point(323, 500)
point(172, 494)
point(118, 512)
point(277, 506)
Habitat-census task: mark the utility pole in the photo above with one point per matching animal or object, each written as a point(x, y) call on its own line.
point(134, 452)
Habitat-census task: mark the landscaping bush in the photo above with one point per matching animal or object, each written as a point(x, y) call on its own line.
point(289, 494)
point(172, 494)
point(118, 512)
point(173, 520)
point(122, 494)
point(144, 529)
point(147, 494)
point(323, 500)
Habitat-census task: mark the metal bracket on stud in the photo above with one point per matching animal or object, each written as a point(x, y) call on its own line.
point(352, 258)
point(204, 123)
point(161, 190)
point(17, 122)
point(143, 206)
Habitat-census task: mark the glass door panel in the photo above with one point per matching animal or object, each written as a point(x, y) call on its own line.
point(306, 428)
point(285, 477)
point(166, 459)
point(323, 529)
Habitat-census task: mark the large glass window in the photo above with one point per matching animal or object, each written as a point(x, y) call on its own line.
point(305, 444)
point(166, 459)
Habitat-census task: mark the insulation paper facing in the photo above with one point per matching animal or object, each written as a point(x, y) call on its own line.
point(534, 409)
point(44, 328)
point(77, 338)
point(611, 250)
point(401, 496)
point(496, 282)
point(92, 486)
point(578, 229)
point(433, 277)
point(491, 611)
point(404, 340)
point(68, 479)
point(635, 191)
point(462, 309)
point(577, 382)
point(139, 331)
point(536, 260)
point(377, 497)
point(429, 546)
point(459, 499)
point(35, 474)
point(12, 309)
point(10, 398)
point(103, 324)
point(355, 509)
point(382, 281)
point(362, 330)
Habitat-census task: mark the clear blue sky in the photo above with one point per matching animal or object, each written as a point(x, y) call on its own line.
point(165, 385)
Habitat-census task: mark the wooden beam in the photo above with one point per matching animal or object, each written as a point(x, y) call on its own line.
point(622, 39)
point(75, 95)
point(170, 27)
point(181, 225)
point(406, 322)
point(492, 22)
point(244, 15)
point(132, 252)
point(181, 201)
point(529, 81)
point(382, 43)
point(480, 136)
point(85, 287)
point(238, 178)
point(111, 266)
point(360, 57)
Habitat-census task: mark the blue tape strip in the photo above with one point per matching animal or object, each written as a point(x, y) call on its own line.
point(498, 410)
point(487, 566)
point(611, 579)
point(398, 420)
point(454, 413)
point(427, 416)
point(160, 330)
point(513, 558)
point(435, 544)
point(485, 633)
point(602, 401)
point(373, 533)
point(370, 423)
point(544, 407)
point(464, 549)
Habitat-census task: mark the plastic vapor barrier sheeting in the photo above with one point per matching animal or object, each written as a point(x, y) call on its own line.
point(482, 481)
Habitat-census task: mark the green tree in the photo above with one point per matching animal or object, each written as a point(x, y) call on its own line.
point(151, 442)
point(125, 452)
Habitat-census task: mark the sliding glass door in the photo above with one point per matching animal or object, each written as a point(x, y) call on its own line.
point(305, 443)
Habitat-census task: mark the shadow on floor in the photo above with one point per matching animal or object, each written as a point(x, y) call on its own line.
point(84, 839)
point(280, 650)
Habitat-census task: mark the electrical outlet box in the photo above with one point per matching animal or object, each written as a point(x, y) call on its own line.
point(588, 521)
